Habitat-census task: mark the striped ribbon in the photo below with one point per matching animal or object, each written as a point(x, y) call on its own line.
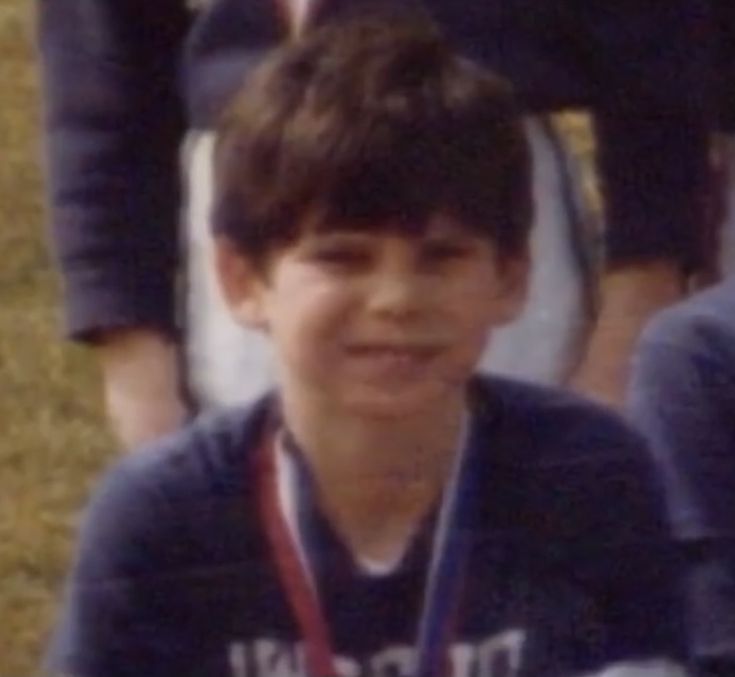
point(445, 573)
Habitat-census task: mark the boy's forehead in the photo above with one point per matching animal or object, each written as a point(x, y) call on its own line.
point(435, 225)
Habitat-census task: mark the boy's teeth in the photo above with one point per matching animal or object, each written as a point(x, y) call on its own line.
point(393, 352)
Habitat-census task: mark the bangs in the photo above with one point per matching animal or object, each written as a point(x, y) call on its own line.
point(372, 127)
point(393, 163)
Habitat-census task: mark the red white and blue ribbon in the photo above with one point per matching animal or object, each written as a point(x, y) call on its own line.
point(445, 573)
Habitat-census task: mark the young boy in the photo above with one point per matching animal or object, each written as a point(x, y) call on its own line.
point(683, 398)
point(383, 512)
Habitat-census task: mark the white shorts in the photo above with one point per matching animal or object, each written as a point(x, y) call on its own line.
point(228, 364)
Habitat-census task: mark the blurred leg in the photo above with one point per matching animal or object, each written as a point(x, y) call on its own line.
point(629, 297)
point(655, 181)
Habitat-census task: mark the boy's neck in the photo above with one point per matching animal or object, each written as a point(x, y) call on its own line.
point(377, 478)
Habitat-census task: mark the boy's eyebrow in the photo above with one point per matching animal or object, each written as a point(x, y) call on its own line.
point(341, 234)
point(321, 237)
point(454, 236)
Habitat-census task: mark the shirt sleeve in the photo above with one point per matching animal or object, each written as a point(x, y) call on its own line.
point(116, 615)
point(682, 397)
point(594, 502)
point(114, 122)
point(638, 586)
point(620, 547)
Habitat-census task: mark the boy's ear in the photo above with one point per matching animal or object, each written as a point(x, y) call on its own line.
point(241, 283)
point(514, 279)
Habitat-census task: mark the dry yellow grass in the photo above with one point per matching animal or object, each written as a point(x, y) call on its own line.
point(52, 442)
point(52, 438)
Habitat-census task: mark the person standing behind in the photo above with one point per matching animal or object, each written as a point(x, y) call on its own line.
point(682, 397)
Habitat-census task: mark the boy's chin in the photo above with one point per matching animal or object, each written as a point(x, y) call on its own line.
point(397, 403)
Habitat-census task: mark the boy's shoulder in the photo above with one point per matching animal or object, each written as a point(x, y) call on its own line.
point(557, 469)
point(209, 456)
point(541, 423)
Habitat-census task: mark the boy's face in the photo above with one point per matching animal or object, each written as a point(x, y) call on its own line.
point(377, 323)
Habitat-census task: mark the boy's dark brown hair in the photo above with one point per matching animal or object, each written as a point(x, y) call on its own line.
point(374, 122)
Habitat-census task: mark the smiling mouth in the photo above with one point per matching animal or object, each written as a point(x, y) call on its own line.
point(394, 352)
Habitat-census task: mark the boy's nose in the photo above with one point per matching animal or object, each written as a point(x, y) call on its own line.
point(398, 293)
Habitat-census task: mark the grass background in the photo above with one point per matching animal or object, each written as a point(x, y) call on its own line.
point(53, 441)
point(52, 437)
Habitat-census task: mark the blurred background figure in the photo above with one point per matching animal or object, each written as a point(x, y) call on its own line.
point(682, 393)
point(682, 397)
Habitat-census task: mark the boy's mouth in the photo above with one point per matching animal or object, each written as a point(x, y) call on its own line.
point(394, 354)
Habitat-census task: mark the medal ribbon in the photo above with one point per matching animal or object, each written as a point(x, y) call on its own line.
point(444, 576)
point(301, 594)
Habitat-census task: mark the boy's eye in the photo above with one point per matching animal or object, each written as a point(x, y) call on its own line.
point(342, 256)
point(439, 252)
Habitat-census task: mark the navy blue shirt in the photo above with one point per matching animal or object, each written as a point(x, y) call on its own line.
point(568, 566)
point(683, 398)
